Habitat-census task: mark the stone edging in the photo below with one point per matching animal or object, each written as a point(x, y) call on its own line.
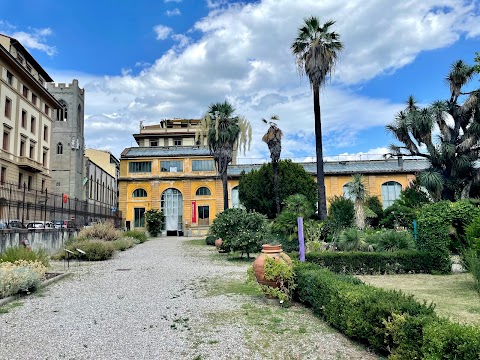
point(11, 298)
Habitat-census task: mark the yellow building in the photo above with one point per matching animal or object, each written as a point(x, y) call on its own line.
point(169, 171)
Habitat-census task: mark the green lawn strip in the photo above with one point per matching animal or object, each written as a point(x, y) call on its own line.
point(6, 308)
point(453, 295)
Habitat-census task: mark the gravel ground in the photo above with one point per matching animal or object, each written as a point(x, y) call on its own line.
point(153, 302)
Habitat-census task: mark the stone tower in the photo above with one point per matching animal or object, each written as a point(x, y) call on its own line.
point(67, 167)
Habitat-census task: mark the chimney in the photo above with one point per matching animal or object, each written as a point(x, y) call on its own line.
point(400, 161)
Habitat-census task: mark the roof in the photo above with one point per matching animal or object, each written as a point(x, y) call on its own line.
point(350, 167)
point(139, 152)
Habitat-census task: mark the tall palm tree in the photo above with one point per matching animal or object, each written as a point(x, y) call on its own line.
point(358, 192)
point(224, 133)
point(316, 49)
point(273, 138)
point(452, 153)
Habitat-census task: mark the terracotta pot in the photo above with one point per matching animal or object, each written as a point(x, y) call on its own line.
point(272, 251)
point(218, 245)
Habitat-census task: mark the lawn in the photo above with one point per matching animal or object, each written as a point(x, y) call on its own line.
point(454, 295)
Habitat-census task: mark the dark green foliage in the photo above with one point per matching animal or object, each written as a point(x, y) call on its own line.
point(374, 204)
point(355, 309)
point(138, 235)
point(413, 196)
point(256, 188)
point(341, 213)
point(398, 215)
point(446, 340)
point(210, 240)
point(95, 250)
point(391, 240)
point(471, 261)
point(240, 230)
point(442, 226)
point(370, 263)
point(351, 240)
point(21, 253)
point(154, 219)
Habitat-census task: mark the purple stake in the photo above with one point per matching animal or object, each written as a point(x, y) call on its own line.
point(301, 240)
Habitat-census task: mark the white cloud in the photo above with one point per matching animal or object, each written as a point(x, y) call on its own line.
point(242, 53)
point(174, 12)
point(34, 39)
point(162, 31)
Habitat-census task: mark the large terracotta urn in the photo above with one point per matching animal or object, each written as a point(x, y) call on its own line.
point(272, 251)
point(218, 245)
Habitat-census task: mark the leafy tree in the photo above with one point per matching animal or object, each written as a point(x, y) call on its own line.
point(453, 152)
point(315, 50)
point(342, 214)
point(154, 219)
point(358, 191)
point(413, 196)
point(373, 203)
point(224, 132)
point(256, 188)
point(273, 138)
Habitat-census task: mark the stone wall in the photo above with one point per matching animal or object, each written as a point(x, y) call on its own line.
point(50, 240)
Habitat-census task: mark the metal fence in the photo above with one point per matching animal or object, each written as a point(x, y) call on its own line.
point(18, 202)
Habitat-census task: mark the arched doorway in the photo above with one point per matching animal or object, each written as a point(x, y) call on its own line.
point(171, 205)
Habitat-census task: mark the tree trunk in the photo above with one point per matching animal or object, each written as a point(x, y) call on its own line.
point(275, 187)
point(225, 189)
point(322, 198)
point(359, 215)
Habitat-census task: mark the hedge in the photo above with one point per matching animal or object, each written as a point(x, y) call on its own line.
point(389, 322)
point(370, 263)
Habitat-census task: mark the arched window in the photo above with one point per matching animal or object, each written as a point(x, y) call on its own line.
point(59, 149)
point(63, 112)
point(203, 191)
point(390, 192)
point(346, 192)
point(139, 193)
point(235, 199)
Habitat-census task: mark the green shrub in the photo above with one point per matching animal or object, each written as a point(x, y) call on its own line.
point(101, 231)
point(123, 244)
point(341, 214)
point(95, 250)
point(21, 253)
point(240, 230)
point(282, 274)
point(351, 240)
point(398, 216)
point(446, 340)
point(139, 236)
point(374, 204)
point(370, 263)
point(471, 260)
point(391, 240)
point(154, 219)
point(210, 240)
point(356, 309)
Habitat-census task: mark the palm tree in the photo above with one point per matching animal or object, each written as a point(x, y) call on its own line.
point(454, 152)
point(315, 50)
point(224, 133)
point(273, 138)
point(358, 192)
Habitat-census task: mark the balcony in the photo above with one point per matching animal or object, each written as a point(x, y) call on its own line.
point(29, 164)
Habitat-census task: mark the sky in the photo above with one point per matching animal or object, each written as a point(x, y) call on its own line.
point(151, 60)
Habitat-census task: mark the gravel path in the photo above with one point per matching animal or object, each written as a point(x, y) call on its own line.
point(158, 301)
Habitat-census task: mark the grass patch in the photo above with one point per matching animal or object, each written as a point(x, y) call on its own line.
point(195, 242)
point(221, 286)
point(6, 308)
point(454, 295)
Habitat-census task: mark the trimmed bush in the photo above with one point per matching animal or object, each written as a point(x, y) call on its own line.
point(16, 253)
point(356, 309)
point(95, 250)
point(154, 219)
point(123, 244)
point(139, 236)
point(210, 240)
point(446, 340)
point(370, 263)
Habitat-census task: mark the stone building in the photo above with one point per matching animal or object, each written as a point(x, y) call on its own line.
point(68, 140)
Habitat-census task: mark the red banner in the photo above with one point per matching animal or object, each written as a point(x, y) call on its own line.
point(194, 212)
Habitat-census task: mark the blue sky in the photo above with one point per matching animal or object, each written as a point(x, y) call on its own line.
point(163, 59)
